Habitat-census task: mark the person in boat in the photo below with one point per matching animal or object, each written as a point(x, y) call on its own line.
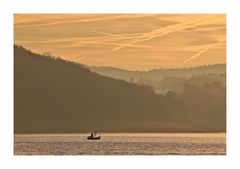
point(93, 136)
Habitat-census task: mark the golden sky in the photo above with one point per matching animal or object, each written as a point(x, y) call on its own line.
point(128, 41)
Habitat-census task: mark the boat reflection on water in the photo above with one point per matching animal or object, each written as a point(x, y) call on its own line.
point(94, 136)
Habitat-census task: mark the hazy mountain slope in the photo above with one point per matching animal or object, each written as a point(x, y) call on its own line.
point(164, 80)
point(159, 74)
point(177, 84)
point(53, 95)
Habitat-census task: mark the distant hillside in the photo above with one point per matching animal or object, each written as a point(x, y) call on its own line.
point(163, 80)
point(52, 95)
point(159, 74)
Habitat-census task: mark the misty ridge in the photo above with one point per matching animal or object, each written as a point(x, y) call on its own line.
point(164, 80)
point(52, 95)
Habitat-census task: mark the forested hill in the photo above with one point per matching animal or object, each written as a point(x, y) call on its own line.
point(52, 95)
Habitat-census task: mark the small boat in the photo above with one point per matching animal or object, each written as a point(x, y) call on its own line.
point(94, 136)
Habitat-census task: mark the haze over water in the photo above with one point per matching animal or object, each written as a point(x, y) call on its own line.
point(121, 144)
point(80, 73)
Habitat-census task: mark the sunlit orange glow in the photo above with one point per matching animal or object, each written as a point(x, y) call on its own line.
point(135, 42)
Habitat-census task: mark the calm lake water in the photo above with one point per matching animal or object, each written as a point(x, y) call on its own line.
point(120, 144)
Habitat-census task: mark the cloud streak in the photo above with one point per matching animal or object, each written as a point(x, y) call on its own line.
point(156, 33)
point(202, 51)
point(69, 21)
point(146, 39)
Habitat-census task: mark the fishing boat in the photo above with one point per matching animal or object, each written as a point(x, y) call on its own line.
point(94, 136)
